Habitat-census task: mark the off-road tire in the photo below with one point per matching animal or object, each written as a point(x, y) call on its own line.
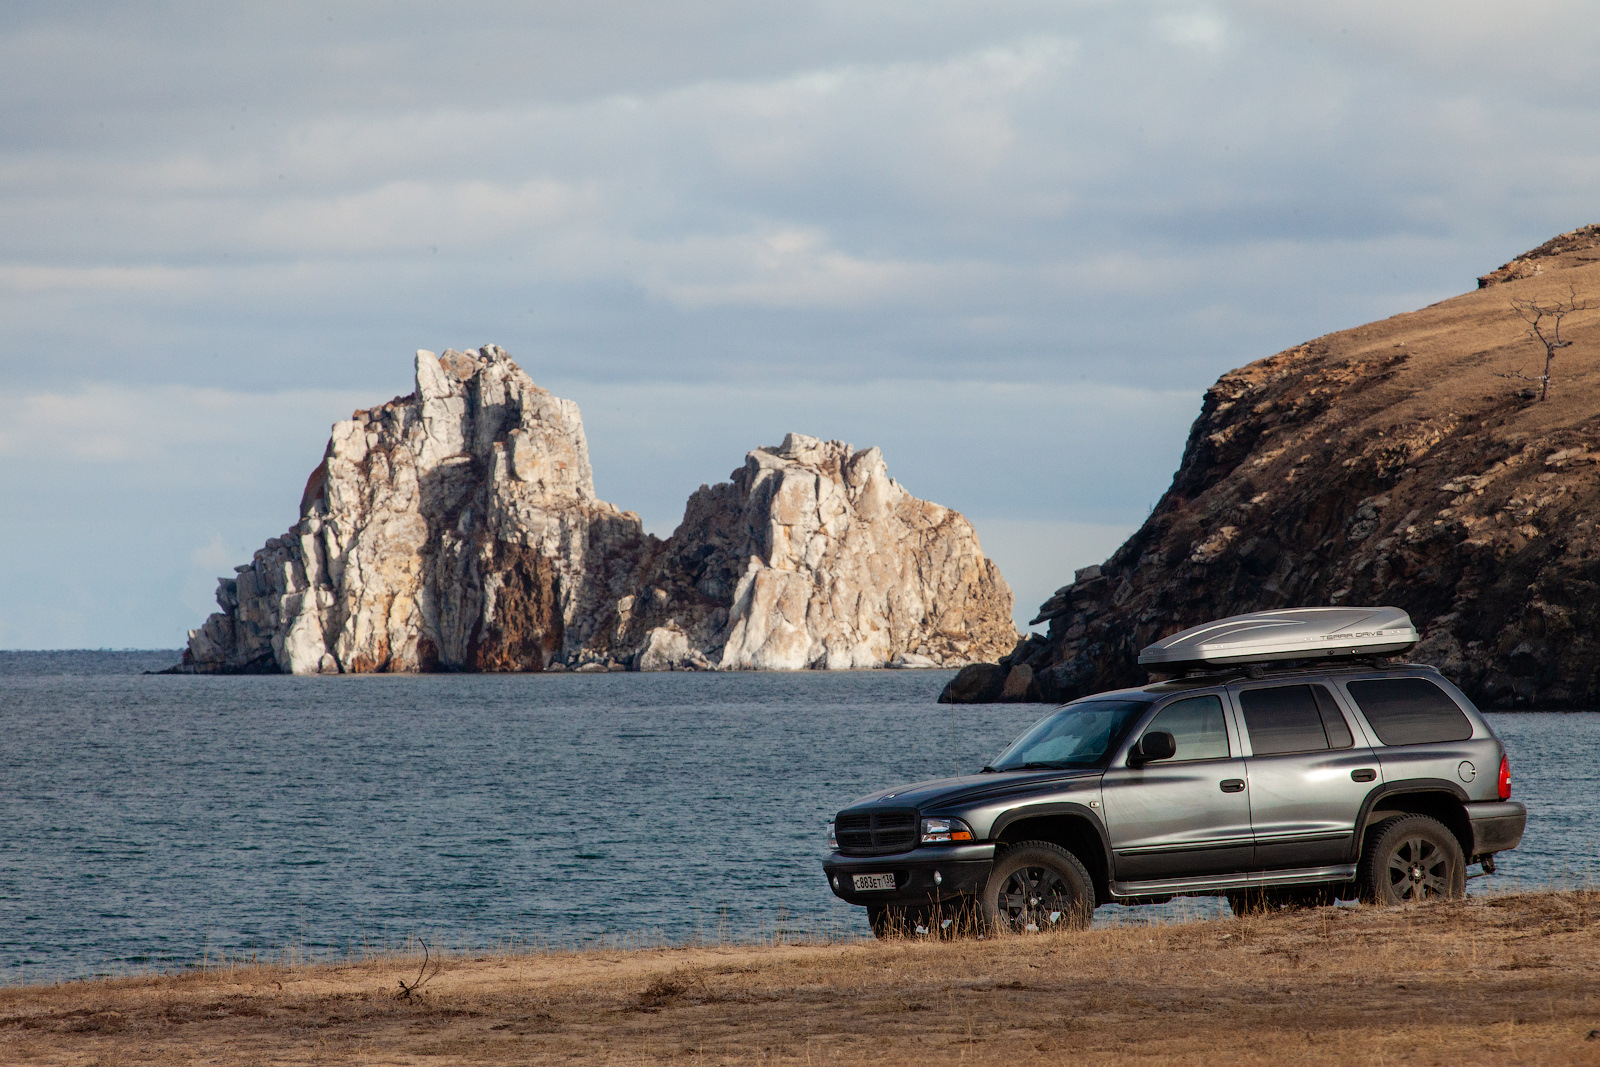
point(1036, 886)
point(1411, 858)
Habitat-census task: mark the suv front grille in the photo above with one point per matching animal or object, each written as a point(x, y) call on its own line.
point(871, 833)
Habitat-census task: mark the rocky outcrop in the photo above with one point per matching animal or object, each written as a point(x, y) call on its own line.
point(458, 529)
point(812, 556)
point(1570, 249)
point(453, 529)
point(1395, 463)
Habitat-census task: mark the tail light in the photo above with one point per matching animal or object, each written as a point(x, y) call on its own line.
point(1505, 778)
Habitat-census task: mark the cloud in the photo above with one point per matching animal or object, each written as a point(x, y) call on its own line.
point(1201, 30)
point(1009, 241)
point(1533, 49)
point(102, 424)
point(413, 216)
point(36, 279)
point(207, 562)
point(790, 268)
point(124, 505)
point(1038, 557)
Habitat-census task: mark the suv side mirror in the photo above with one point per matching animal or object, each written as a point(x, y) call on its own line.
point(1157, 744)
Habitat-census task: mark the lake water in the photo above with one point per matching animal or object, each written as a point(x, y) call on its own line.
point(159, 820)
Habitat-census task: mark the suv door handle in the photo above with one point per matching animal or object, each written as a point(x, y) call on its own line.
point(1232, 785)
point(1363, 774)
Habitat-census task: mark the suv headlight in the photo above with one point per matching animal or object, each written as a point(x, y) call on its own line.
point(833, 839)
point(944, 831)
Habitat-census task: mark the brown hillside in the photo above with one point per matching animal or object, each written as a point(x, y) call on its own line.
point(1387, 464)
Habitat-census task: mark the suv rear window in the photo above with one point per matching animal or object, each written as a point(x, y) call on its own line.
point(1293, 718)
point(1410, 711)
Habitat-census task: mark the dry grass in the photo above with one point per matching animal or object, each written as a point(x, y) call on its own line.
point(1503, 980)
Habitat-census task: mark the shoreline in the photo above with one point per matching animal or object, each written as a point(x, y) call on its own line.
point(1510, 978)
point(807, 672)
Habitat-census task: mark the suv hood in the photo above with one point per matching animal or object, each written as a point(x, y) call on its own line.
point(967, 789)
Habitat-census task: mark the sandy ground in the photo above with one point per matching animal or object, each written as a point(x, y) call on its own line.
point(1499, 980)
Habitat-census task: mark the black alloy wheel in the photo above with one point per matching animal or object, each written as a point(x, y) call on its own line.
point(1412, 858)
point(1037, 886)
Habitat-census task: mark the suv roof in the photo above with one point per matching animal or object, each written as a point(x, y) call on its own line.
point(1200, 678)
point(1196, 679)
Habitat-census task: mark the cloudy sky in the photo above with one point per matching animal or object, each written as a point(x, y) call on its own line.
point(1008, 241)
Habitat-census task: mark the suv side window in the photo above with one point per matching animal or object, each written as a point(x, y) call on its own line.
point(1293, 718)
point(1198, 726)
point(1409, 711)
point(1332, 719)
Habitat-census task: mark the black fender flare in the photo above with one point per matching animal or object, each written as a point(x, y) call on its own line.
point(1082, 811)
point(1407, 786)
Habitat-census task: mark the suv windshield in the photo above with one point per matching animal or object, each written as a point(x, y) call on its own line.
point(1079, 735)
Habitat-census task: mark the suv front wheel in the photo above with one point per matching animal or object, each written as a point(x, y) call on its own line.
point(1037, 886)
point(1410, 858)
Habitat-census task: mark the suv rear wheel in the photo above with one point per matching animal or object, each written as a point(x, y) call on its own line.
point(1037, 886)
point(1412, 857)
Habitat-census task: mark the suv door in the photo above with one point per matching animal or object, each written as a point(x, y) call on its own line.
point(1188, 815)
point(1308, 777)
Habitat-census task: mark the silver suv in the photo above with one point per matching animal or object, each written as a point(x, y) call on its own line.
point(1273, 782)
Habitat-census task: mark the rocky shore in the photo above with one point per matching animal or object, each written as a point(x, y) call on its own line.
point(1409, 462)
point(458, 529)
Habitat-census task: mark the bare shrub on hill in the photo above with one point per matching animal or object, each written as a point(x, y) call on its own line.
point(1544, 326)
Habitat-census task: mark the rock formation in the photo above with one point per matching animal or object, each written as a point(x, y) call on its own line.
point(454, 529)
point(814, 557)
point(1395, 463)
point(458, 529)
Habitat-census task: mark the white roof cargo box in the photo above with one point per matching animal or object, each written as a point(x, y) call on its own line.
point(1289, 634)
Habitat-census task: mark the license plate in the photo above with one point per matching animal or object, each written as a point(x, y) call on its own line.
point(872, 881)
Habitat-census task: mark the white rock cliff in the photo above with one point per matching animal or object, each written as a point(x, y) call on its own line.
point(812, 556)
point(458, 529)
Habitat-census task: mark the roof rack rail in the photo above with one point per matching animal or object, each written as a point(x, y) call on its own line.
point(1199, 673)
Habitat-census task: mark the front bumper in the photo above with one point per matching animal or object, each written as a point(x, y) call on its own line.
point(1496, 826)
point(962, 871)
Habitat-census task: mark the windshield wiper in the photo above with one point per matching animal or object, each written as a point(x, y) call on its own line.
point(1036, 766)
point(989, 770)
